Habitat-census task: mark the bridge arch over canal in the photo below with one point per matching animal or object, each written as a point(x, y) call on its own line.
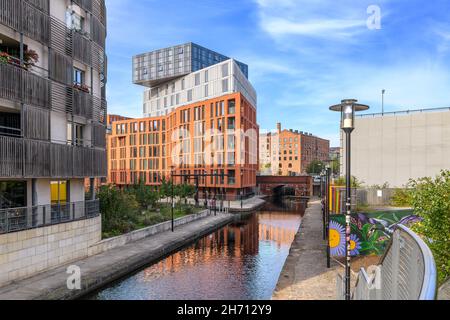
point(270, 185)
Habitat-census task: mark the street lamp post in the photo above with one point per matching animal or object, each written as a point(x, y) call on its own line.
point(382, 101)
point(242, 192)
point(348, 108)
point(172, 205)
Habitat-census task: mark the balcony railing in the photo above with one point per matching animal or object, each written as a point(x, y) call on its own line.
point(22, 158)
point(14, 78)
point(20, 219)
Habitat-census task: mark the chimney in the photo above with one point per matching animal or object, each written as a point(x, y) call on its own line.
point(279, 127)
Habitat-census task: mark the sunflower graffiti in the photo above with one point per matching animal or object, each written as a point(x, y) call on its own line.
point(370, 233)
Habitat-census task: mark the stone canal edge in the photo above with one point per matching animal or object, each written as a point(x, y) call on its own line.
point(109, 266)
point(305, 275)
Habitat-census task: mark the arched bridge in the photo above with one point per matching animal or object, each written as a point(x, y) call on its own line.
point(302, 185)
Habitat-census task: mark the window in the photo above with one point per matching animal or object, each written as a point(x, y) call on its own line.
point(225, 85)
point(225, 70)
point(75, 134)
point(13, 194)
point(206, 91)
point(231, 106)
point(74, 21)
point(189, 95)
point(58, 192)
point(206, 76)
point(197, 79)
point(78, 76)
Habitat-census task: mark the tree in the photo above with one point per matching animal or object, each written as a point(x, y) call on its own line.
point(165, 190)
point(335, 166)
point(431, 201)
point(341, 181)
point(315, 167)
point(145, 196)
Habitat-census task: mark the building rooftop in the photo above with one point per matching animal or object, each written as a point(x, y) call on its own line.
point(157, 67)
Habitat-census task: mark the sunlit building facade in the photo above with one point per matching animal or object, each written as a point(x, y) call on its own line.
point(199, 124)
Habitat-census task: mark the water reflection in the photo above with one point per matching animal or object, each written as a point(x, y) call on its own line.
point(240, 261)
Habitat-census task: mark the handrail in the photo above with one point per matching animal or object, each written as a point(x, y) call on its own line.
point(403, 112)
point(429, 285)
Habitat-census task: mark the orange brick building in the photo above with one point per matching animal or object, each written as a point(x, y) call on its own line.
point(213, 136)
point(289, 152)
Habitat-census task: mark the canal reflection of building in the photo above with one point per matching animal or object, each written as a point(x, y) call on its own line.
point(237, 240)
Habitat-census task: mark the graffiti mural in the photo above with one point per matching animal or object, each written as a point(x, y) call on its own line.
point(370, 231)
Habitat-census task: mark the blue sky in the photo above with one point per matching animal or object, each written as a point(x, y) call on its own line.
point(303, 55)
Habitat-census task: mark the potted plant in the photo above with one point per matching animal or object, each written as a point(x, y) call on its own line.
point(30, 58)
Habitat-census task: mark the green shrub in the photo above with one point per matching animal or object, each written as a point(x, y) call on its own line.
point(431, 201)
point(401, 198)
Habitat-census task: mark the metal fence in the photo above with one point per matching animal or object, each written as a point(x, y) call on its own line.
point(19, 219)
point(375, 197)
point(407, 272)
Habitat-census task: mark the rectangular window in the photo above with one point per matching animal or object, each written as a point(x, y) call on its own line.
point(189, 95)
point(206, 91)
point(206, 76)
point(197, 79)
point(231, 106)
point(225, 70)
point(78, 76)
point(225, 85)
point(13, 194)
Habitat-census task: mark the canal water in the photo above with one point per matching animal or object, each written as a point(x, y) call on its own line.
point(241, 261)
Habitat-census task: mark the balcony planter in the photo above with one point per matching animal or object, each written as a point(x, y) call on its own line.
point(81, 87)
point(30, 59)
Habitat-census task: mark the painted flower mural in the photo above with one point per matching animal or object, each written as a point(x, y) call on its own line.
point(370, 232)
point(355, 245)
point(337, 239)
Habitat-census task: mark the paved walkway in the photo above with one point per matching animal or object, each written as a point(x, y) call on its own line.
point(305, 275)
point(444, 291)
point(99, 270)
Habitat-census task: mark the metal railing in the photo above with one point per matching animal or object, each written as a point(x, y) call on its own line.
point(407, 272)
point(19, 219)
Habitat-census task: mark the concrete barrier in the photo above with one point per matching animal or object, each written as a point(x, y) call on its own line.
point(122, 240)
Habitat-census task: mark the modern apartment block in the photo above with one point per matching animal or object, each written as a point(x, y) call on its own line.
point(52, 130)
point(205, 125)
point(160, 66)
point(290, 152)
point(398, 146)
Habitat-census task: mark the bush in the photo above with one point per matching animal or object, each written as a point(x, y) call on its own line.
point(431, 201)
point(401, 198)
point(119, 210)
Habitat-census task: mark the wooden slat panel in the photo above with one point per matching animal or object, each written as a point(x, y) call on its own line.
point(10, 79)
point(61, 161)
point(82, 104)
point(82, 49)
point(37, 159)
point(40, 4)
point(10, 13)
point(61, 97)
point(36, 24)
point(98, 32)
point(60, 68)
point(11, 155)
point(99, 135)
point(35, 89)
point(59, 37)
point(36, 123)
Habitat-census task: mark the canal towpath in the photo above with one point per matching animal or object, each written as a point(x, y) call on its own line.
point(305, 275)
point(104, 268)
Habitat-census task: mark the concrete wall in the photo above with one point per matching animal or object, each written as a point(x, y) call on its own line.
point(24, 254)
point(394, 148)
point(122, 240)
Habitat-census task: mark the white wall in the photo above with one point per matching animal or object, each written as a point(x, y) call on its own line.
point(237, 82)
point(58, 132)
point(395, 148)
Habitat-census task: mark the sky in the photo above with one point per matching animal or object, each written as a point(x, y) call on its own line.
point(303, 55)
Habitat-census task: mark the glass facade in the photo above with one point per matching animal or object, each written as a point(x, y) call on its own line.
point(13, 194)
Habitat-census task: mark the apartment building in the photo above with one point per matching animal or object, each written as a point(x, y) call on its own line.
point(290, 152)
point(52, 127)
point(205, 125)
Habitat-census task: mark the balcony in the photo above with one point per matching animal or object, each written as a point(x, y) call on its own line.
point(25, 158)
point(19, 219)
